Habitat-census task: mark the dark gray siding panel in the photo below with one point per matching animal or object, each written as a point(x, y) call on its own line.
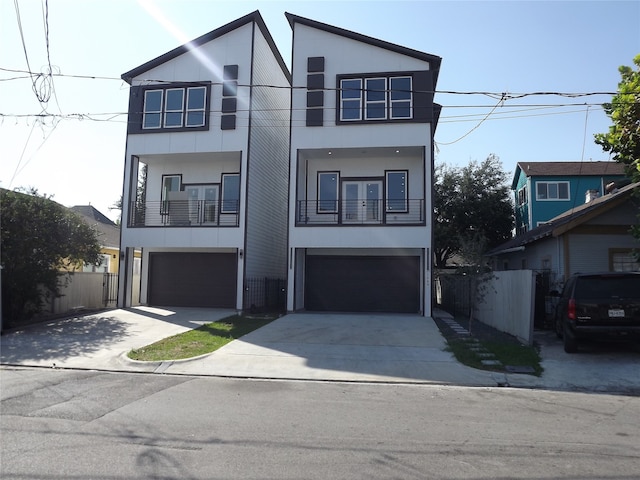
point(192, 279)
point(363, 284)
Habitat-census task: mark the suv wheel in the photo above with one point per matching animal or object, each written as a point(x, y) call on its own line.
point(570, 341)
point(558, 327)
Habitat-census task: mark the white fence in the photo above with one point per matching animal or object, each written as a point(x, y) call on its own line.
point(508, 304)
point(84, 291)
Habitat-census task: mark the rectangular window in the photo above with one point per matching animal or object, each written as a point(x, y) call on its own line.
point(375, 98)
point(230, 193)
point(196, 105)
point(152, 114)
point(382, 98)
point(328, 192)
point(401, 97)
point(552, 190)
point(522, 195)
point(397, 191)
point(351, 99)
point(623, 261)
point(175, 107)
point(170, 183)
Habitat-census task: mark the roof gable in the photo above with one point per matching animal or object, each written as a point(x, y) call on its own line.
point(567, 220)
point(207, 37)
point(562, 169)
point(434, 60)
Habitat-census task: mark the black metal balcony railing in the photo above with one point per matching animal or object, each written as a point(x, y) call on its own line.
point(360, 212)
point(184, 213)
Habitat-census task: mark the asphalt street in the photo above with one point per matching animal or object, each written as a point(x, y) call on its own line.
point(75, 424)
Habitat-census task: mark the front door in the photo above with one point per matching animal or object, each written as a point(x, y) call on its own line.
point(362, 201)
point(203, 203)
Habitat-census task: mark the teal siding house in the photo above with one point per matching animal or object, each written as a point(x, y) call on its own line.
point(544, 190)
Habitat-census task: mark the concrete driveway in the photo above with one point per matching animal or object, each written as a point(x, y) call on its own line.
point(305, 346)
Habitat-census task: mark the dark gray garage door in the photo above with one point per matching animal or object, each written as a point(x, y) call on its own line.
point(363, 284)
point(192, 279)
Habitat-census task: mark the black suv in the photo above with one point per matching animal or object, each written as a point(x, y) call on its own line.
point(596, 305)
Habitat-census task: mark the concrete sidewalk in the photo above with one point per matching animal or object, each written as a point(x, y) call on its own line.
point(301, 346)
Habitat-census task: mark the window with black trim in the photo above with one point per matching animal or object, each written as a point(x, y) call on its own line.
point(230, 193)
point(397, 194)
point(373, 98)
point(175, 108)
point(170, 183)
point(522, 195)
point(328, 192)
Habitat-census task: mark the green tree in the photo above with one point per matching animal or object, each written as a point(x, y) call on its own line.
point(470, 203)
point(623, 138)
point(40, 239)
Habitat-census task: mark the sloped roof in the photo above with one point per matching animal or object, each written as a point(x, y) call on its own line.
point(550, 169)
point(108, 232)
point(433, 60)
point(567, 220)
point(207, 37)
point(92, 213)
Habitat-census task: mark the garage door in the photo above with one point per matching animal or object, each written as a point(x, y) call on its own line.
point(363, 284)
point(192, 279)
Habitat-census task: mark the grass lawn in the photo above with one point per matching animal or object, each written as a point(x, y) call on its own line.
point(204, 339)
point(505, 348)
point(508, 354)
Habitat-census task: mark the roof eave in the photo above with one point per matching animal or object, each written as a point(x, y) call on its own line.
point(433, 60)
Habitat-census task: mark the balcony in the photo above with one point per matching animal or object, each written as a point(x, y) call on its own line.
point(184, 213)
point(360, 212)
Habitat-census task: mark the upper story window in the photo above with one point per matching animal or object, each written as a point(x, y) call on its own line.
point(397, 191)
point(175, 108)
point(230, 193)
point(552, 190)
point(327, 192)
point(375, 98)
point(522, 195)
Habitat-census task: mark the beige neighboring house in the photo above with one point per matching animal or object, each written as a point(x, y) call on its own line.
point(108, 236)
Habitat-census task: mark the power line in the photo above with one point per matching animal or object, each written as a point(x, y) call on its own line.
point(497, 95)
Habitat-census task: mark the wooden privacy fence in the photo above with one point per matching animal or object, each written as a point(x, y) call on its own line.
point(507, 302)
point(85, 291)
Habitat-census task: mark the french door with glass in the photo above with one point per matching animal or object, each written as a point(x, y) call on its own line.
point(203, 203)
point(362, 201)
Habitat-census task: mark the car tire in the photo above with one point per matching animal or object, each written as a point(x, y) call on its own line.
point(570, 341)
point(557, 324)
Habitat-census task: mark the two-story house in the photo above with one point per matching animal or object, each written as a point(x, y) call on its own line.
point(361, 172)
point(544, 190)
point(206, 165)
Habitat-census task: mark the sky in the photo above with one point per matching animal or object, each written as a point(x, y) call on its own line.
point(523, 80)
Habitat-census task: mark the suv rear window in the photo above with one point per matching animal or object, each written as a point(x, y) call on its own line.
point(619, 286)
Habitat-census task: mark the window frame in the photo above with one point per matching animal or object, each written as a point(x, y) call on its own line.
point(557, 185)
point(164, 201)
point(628, 259)
point(146, 112)
point(188, 90)
point(170, 112)
point(391, 104)
point(343, 99)
point(321, 201)
point(223, 194)
point(188, 109)
point(388, 200)
point(375, 102)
